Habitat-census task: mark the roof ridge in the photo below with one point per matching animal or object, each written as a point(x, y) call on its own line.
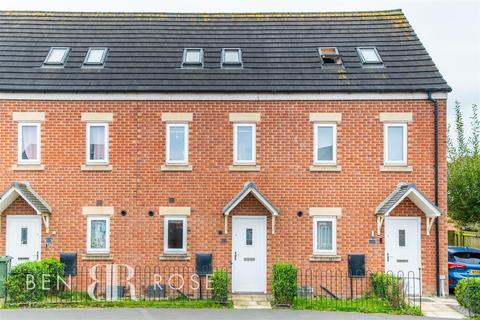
point(207, 14)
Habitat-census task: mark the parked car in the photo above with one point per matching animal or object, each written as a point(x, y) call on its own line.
point(463, 262)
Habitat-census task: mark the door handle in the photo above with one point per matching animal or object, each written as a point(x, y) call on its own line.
point(235, 256)
point(37, 254)
point(388, 257)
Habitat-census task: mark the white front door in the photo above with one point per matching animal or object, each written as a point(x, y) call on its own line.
point(24, 237)
point(402, 250)
point(249, 254)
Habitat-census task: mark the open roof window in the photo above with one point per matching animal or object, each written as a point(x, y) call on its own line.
point(192, 57)
point(95, 56)
point(330, 56)
point(57, 56)
point(231, 57)
point(369, 55)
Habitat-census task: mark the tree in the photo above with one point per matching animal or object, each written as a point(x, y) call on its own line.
point(475, 139)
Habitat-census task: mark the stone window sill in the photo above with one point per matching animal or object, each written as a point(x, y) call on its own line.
point(239, 167)
point(390, 168)
point(92, 167)
point(327, 168)
point(325, 258)
point(176, 167)
point(175, 257)
point(97, 256)
point(28, 167)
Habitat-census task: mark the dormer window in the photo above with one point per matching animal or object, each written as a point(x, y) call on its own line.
point(57, 56)
point(95, 56)
point(330, 56)
point(231, 57)
point(192, 57)
point(369, 55)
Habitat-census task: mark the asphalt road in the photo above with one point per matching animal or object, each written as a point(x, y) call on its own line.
point(186, 314)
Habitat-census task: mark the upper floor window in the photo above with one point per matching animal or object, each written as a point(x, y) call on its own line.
point(231, 57)
point(29, 143)
point(395, 136)
point(330, 56)
point(177, 143)
point(98, 234)
point(244, 143)
point(192, 57)
point(369, 55)
point(325, 143)
point(57, 56)
point(325, 235)
point(95, 56)
point(175, 234)
point(97, 143)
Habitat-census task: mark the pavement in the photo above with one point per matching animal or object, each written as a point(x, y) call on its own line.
point(188, 314)
point(441, 308)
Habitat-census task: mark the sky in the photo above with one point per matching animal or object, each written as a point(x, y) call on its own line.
point(449, 29)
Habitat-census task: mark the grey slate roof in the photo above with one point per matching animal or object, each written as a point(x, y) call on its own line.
point(247, 188)
point(279, 52)
point(392, 200)
point(24, 189)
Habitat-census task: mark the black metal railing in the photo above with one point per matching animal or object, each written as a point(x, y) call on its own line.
point(368, 291)
point(109, 283)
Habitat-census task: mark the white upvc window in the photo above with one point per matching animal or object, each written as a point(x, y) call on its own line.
point(175, 234)
point(325, 143)
point(29, 149)
point(325, 235)
point(177, 143)
point(395, 144)
point(244, 144)
point(97, 143)
point(98, 234)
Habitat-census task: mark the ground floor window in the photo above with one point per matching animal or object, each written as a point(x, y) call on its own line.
point(175, 234)
point(98, 234)
point(324, 235)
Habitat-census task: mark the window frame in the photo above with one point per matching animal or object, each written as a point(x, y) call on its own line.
point(107, 144)
point(187, 64)
point(167, 250)
point(95, 64)
point(404, 161)
point(64, 58)
point(364, 61)
point(20, 140)
point(332, 219)
point(232, 64)
point(334, 55)
point(89, 234)
point(315, 142)
point(254, 144)
point(167, 144)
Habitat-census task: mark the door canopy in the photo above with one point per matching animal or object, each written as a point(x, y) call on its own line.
point(23, 189)
point(407, 190)
point(248, 188)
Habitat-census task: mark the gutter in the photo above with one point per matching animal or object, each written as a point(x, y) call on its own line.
point(435, 155)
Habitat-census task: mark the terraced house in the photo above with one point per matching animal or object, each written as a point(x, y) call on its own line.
point(145, 139)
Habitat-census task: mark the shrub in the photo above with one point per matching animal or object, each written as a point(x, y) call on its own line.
point(24, 282)
point(467, 292)
point(388, 287)
point(284, 283)
point(220, 286)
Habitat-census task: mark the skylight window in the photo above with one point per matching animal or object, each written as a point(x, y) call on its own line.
point(231, 57)
point(330, 56)
point(95, 56)
point(193, 57)
point(369, 55)
point(57, 56)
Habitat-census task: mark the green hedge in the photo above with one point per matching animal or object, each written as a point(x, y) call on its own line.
point(467, 292)
point(220, 286)
point(388, 287)
point(284, 283)
point(24, 282)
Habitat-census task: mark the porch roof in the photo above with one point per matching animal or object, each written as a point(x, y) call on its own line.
point(411, 191)
point(248, 188)
point(23, 190)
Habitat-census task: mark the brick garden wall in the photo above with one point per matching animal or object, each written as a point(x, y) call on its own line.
point(284, 152)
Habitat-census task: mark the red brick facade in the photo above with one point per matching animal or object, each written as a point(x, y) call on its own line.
point(284, 152)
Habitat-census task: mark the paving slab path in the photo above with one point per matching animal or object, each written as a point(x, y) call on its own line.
point(188, 314)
